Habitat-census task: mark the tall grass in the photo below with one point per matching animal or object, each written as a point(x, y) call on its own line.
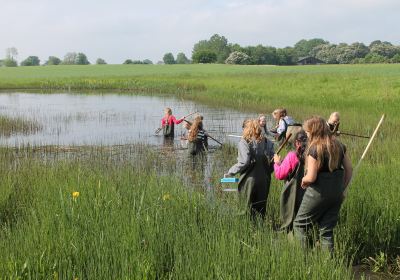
point(121, 227)
point(128, 223)
point(13, 125)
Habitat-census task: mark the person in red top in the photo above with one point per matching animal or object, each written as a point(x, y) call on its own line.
point(168, 123)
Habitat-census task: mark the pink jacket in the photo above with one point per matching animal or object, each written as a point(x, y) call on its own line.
point(287, 166)
point(170, 119)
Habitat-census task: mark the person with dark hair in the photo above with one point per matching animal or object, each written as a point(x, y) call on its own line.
point(328, 172)
point(253, 165)
point(197, 137)
point(291, 169)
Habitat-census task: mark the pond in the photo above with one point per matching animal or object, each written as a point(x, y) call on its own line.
point(69, 119)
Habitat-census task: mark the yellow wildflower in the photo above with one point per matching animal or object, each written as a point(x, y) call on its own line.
point(166, 196)
point(75, 195)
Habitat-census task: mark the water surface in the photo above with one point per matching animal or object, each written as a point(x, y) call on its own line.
point(108, 119)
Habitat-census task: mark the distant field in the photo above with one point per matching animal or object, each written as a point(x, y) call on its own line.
point(81, 238)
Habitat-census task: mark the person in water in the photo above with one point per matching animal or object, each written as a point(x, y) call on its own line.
point(168, 123)
point(197, 137)
point(254, 166)
point(291, 169)
point(334, 122)
point(283, 122)
point(328, 173)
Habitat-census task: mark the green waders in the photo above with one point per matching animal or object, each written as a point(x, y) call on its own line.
point(254, 183)
point(291, 198)
point(320, 206)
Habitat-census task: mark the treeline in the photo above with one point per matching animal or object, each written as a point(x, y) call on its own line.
point(217, 49)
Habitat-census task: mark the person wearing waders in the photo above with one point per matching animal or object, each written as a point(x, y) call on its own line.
point(291, 169)
point(328, 172)
point(262, 121)
point(168, 124)
point(197, 137)
point(254, 166)
point(283, 120)
point(334, 122)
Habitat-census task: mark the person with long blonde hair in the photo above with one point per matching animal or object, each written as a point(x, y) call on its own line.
point(328, 172)
point(197, 137)
point(254, 166)
point(168, 123)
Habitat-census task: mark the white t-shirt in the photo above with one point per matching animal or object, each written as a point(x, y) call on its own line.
point(282, 126)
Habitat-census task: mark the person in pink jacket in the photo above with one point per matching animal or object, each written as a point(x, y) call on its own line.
point(168, 123)
point(291, 169)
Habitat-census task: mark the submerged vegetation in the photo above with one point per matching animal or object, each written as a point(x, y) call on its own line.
point(10, 126)
point(136, 213)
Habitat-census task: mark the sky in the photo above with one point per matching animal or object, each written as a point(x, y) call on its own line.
point(116, 30)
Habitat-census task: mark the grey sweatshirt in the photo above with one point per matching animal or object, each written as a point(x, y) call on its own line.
point(244, 154)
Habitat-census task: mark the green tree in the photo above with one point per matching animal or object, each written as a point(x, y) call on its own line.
point(285, 56)
point(128, 61)
point(395, 59)
point(147, 61)
point(375, 58)
point(31, 61)
point(204, 56)
point(182, 59)
point(53, 60)
point(326, 52)
point(261, 55)
point(81, 59)
point(100, 61)
point(384, 49)
point(70, 58)
point(216, 44)
point(303, 47)
point(8, 62)
point(169, 58)
point(11, 57)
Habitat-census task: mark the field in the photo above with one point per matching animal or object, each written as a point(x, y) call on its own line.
point(135, 217)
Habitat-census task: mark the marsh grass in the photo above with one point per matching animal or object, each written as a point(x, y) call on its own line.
point(130, 223)
point(14, 125)
point(136, 217)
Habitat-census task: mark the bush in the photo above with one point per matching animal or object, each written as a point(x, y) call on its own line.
point(204, 57)
point(9, 62)
point(238, 58)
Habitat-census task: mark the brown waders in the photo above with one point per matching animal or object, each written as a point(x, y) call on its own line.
point(320, 207)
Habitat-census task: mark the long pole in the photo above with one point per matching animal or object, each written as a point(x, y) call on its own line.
point(365, 152)
point(282, 145)
point(208, 135)
point(160, 128)
point(354, 135)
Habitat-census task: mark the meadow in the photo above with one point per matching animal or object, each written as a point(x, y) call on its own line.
point(136, 217)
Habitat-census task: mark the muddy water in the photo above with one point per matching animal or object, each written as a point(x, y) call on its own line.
point(108, 119)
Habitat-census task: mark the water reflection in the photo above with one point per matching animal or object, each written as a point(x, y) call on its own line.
point(109, 119)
